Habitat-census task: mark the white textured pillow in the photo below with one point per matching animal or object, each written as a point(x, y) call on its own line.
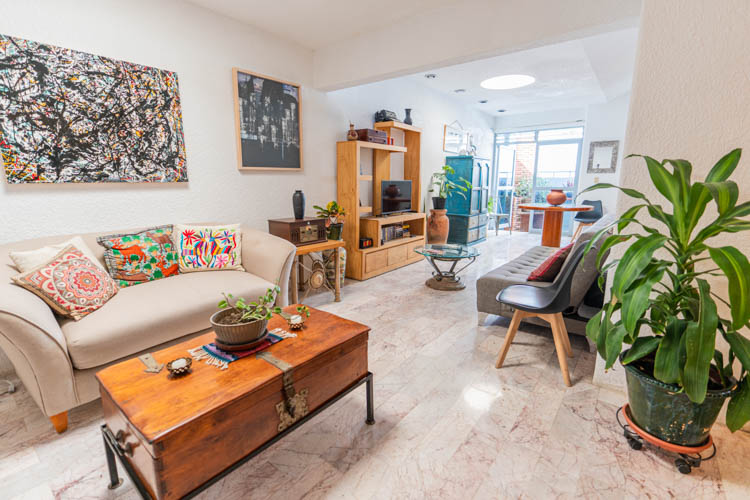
point(208, 248)
point(29, 259)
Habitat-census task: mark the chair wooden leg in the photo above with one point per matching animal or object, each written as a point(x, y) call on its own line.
point(60, 422)
point(564, 334)
point(512, 329)
point(559, 346)
point(577, 231)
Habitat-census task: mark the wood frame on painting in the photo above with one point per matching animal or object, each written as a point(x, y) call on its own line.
point(259, 164)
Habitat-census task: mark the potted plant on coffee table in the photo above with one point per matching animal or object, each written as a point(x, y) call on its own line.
point(239, 322)
point(334, 215)
point(664, 303)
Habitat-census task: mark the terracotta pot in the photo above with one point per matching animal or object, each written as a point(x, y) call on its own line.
point(556, 197)
point(437, 226)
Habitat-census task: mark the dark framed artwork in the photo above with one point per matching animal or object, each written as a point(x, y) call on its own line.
point(268, 121)
point(603, 157)
point(70, 116)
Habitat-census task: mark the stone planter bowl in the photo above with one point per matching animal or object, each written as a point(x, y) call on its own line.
point(241, 333)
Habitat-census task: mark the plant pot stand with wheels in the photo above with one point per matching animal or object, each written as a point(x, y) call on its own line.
point(689, 456)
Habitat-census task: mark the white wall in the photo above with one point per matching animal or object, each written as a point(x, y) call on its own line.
point(201, 47)
point(465, 31)
point(690, 100)
point(604, 122)
point(540, 119)
point(431, 111)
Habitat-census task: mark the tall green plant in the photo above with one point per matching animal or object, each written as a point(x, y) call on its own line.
point(445, 187)
point(668, 290)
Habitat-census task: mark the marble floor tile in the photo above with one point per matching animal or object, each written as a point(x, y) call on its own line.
point(449, 425)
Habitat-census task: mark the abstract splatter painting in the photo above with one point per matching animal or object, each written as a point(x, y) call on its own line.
point(69, 116)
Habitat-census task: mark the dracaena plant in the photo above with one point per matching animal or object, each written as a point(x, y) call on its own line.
point(662, 282)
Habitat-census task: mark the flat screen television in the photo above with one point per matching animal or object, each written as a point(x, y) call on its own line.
point(395, 196)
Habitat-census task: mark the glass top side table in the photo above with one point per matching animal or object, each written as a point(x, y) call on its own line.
point(447, 280)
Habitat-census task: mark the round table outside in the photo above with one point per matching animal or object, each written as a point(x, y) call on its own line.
point(447, 280)
point(553, 219)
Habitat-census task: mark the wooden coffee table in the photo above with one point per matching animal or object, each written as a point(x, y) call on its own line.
point(176, 437)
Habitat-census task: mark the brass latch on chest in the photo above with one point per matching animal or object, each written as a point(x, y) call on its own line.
point(294, 406)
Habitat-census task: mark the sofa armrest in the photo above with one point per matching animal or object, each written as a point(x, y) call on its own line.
point(33, 341)
point(270, 258)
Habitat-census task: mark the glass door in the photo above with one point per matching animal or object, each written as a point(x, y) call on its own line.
point(503, 192)
point(558, 155)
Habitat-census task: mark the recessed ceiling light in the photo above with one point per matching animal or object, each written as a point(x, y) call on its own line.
point(507, 82)
point(501, 111)
point(459, 91)
point(430, 76)
point(483, 101)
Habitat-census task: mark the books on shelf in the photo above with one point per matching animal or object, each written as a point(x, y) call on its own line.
point(392, 232)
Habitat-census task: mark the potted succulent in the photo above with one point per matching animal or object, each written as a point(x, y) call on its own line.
point(239, 322)
point(334, 214)
point(663, 306)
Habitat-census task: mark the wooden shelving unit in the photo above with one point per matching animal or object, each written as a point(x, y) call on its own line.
point(380, 258)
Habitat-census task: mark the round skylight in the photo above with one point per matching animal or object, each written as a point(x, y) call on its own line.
point(507, 82)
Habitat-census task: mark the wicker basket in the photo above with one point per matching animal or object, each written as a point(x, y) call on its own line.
point(241, 333)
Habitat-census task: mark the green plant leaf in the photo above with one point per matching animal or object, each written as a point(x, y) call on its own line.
point(636, 300)
point(634, 261)
point(613, 344)
point(682, 171)
point(611, 241)
point(669, 186)
point(699, 198)
point(738, 409)
point(700, 343)
point(593, 326)
point(641, 347)
point(740, 346)
point(725, 194)
point(628, 216)
point(605, 185)
point(737, 270)
point(725, 166)
point(667, 362)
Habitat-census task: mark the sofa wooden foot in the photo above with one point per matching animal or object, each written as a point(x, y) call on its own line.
point(60, 422)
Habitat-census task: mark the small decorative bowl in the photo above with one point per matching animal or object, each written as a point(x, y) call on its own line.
point(296, 322)
point(179, 367)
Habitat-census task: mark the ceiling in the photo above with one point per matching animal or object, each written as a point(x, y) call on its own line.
point(568, 75)
point(319, 23)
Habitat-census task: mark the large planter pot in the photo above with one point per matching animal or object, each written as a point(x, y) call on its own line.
point(336, 231)
point(437, 226)
point(663, 411)
point(242, 333)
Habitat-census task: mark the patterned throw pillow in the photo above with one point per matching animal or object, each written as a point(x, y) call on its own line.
point(139, 257)
point(550, 268)
point(70, 283)
point(209, 248)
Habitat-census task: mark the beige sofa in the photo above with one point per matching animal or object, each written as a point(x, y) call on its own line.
point(56, 358)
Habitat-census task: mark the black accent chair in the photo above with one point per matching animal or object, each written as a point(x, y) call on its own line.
point(588, 218)
point(547, 303)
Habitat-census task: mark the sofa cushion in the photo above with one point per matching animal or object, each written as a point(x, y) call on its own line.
point(134, 258)
point(209, 248)
point(154, 312)
point(550, 268)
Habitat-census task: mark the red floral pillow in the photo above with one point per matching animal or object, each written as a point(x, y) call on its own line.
point(550, 268)
point(70, 283)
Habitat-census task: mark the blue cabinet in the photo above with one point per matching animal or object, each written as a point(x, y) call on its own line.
point(468, 217)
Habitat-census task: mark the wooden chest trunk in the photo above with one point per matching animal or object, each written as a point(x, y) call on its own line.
point(178, 434)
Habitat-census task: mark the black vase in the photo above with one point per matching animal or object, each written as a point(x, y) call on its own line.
point(407, 118)
point(298, 203)
point(438, 203)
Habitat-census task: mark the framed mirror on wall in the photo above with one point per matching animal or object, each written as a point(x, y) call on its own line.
point(603, 157)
